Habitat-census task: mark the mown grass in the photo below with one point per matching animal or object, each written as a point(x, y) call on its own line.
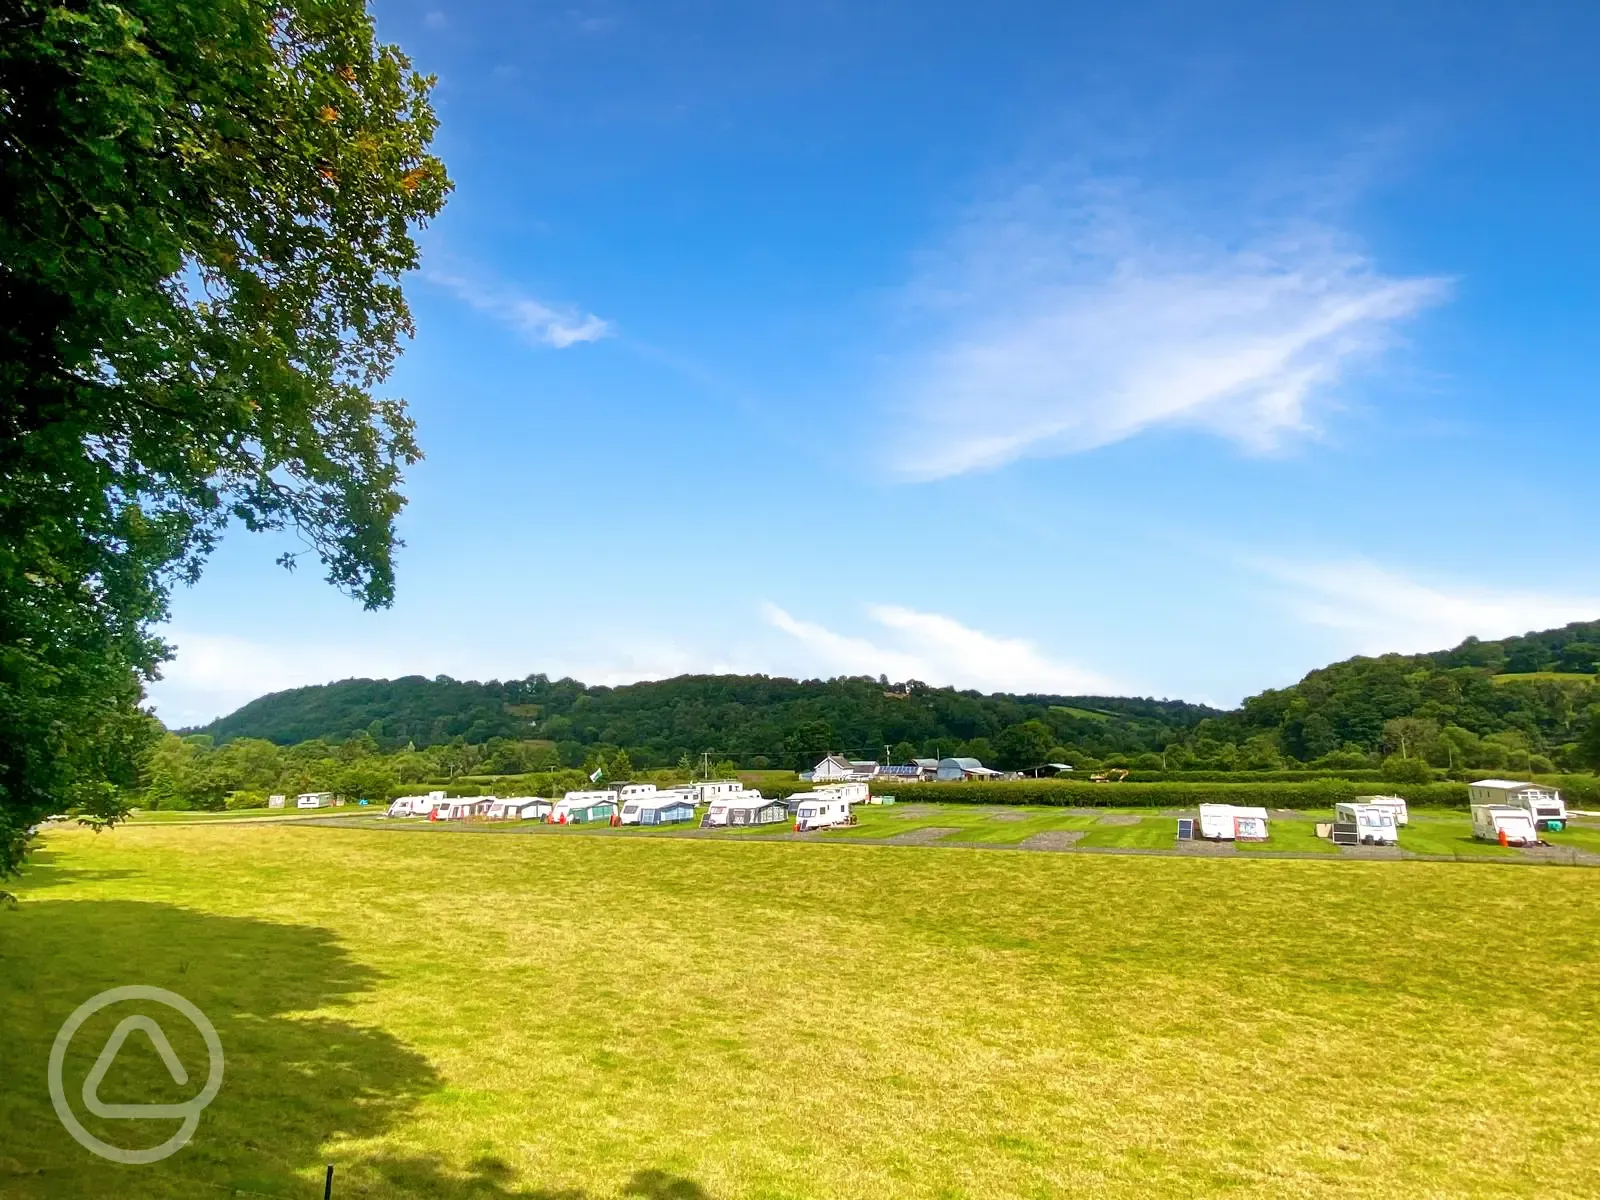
point(169, 816)
point(454, 1015)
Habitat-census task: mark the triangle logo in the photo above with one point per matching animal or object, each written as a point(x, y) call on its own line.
point(108, 1055)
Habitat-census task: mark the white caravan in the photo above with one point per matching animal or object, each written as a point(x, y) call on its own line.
point(1396, 806)
point(1233, 823)
point(1543, 804)
point(1370, 824)
point(276, 801)
point(715, 789)
point(455, 810)
point(314, 800)
point(850, 793)
point(816, 811)
point(629, 790)
point(416, 806)
point(746, 808)
point(1505, 824)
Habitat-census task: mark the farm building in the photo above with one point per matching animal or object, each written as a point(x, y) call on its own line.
point(1543, 804)
point(955, 769)
point(314, 800)
point(661, 808)
point(746, 808)
point(927, 768)
point(1233, 822)
point(863, 770)
point(832, 769)
point(580, 808)
point(901, 772)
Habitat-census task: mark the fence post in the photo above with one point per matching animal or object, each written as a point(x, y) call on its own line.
point(327, 1185)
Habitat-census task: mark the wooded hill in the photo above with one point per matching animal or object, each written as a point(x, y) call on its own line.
point(745, 718)
point(1524, 703)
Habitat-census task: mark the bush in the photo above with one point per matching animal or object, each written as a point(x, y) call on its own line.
point(1406, 770)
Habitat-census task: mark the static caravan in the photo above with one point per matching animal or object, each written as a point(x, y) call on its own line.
point(747, 808)
point(1543, 804)
point(580, 808)
point(816, 811)
point(1395, 805)
point(314, 800)
point(1233, 823)
point(1356, 824)
point(1504, 823)
point(662, 808)
point(715, 789)
point(629, 790)
point(851, 793)
point(276, 801)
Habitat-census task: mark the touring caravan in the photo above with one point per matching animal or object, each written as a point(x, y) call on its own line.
point(1394, 805)
point(629, 790)
point(746, 808)
point(454, 810)
point(1356, 824)
point(816, 811)
point(1503, 823)
point(657, 808)
point(314, 800)
point(578, 808)
point(276, 801)
point(1543, 804)
point(416, 806)
point(1233, 823)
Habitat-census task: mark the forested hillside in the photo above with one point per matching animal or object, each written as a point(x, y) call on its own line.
point(1529, 703)
point(753, 720)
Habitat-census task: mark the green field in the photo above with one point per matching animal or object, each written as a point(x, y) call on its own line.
point(578, 1016)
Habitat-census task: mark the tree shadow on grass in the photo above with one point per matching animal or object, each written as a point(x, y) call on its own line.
point(293, 1082)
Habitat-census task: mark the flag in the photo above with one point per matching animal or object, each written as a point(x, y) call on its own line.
point(598, 771)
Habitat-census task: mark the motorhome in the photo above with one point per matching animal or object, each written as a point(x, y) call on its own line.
point(746, 808)
point(314, 800)
point(1233, 823)
point(1504, 823)
point(816, 811)
point(1396, 806)
point(1543, 804)
point(1356, 824)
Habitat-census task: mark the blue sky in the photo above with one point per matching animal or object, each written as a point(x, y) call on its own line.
point(1173, 349)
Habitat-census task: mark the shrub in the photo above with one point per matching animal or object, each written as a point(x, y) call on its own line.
point(1319, 793)
point(1406, 770)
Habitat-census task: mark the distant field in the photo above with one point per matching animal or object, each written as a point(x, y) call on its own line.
point(1544, 677)
point(572, 1016)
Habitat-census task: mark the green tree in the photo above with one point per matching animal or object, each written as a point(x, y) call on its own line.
point(621, 768)
point(1406, 770)
point(1588, 748)
point(1023, 745)
point(205, 212)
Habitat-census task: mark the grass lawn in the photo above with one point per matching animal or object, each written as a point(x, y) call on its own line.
point(579, 1017)
point(170, 816)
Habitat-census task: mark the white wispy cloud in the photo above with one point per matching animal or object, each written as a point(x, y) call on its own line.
point(1381, 610)
point(557, 326)
point(936, 649)
point(1061, 320)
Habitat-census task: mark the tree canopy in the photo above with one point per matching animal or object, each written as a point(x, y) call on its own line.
point(205, 212)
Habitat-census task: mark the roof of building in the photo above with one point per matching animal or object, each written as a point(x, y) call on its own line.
point(1503, 783)
point(833, 760)
point(900, 769)
point(966, 764)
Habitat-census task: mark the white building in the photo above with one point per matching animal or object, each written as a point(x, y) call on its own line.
point(833, 769)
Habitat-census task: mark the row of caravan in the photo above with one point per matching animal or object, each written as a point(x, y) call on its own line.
point(729, 803)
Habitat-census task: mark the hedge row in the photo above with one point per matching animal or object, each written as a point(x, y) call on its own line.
point(1320, 793)
point(1298, 775)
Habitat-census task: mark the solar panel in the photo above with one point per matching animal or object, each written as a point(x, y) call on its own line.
point(1186, 829)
